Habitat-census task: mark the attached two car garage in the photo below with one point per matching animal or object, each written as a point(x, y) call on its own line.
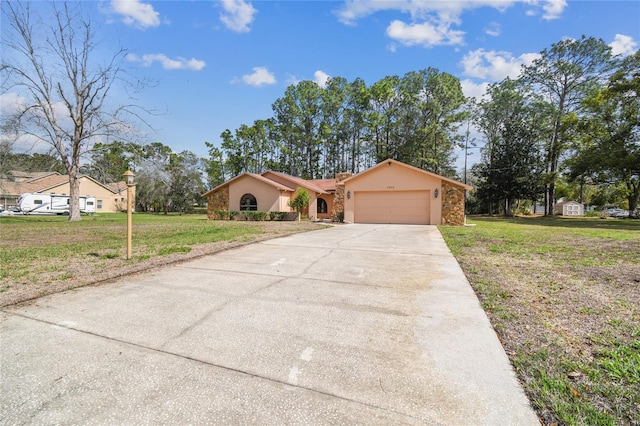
point(394, 192)
point(407, 207)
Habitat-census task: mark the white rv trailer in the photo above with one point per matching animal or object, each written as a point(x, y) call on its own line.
point(37, 203)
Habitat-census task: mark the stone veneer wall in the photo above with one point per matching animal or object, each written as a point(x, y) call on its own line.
point(219, 200)
point(338, 198)
point(452, 204)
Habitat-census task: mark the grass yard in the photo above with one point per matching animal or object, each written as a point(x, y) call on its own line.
point(47, 254)
point(564, 297)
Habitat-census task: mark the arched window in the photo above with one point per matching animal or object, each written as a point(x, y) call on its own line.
point(322, 206)
point(248, 202)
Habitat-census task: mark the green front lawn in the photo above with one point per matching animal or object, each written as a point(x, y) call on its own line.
point(564, 297)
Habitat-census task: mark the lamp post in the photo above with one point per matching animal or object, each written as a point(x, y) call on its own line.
point(128, 176)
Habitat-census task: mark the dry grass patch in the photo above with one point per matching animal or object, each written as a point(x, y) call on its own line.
point(564, 297)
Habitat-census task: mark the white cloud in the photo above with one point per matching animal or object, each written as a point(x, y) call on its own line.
point(167, 63)
point(493, 29)
point(475, 90)
point(353, 10)
point(238, 15)
point(10, 103)
point(623, 45)
point(13, 103)
point(425, 34)
point(494, 65)
point(432, 22)
point(553, 9)
point(260, 77)
point(292, 80)
point(136, 13)
point(321, 78)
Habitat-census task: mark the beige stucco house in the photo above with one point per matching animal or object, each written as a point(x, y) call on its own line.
point(110, 198)
point(389, 192)
point(271, 191)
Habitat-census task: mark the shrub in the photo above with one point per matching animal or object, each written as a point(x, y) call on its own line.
point(256, 216)
point(233, 214)
point(279, 216)
point(221, 214)
point(300, 201)
point(523, 210)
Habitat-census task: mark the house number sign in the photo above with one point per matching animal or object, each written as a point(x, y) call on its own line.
point(391, 187)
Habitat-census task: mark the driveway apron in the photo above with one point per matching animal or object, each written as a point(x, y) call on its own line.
point(354, 324)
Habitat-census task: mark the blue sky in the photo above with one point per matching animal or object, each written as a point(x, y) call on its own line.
point(220, 64)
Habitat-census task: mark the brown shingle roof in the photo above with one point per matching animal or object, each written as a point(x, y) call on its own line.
point(298, 181)
point(268, 181)
point(326, 184)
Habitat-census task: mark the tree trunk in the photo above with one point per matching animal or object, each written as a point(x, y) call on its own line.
point(634, 194)
point(74, 196)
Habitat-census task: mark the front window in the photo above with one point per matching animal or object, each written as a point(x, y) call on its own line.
point(248, 203)
point(99, 204)
point(322, 206)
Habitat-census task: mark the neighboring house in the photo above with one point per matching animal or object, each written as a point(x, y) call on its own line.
point(110, 198)
point(569, 208)
point(389, 192)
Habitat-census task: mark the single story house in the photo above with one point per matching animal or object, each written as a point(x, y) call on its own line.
point(569, 208)
point(110, 198)
point(389, 192)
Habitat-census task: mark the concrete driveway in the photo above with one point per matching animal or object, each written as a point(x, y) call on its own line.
point(355, 324)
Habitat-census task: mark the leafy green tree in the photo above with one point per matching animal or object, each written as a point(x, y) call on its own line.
point(186, 187)
point(382, 117)
point(153, 178)
point(110, 161)
point(511, 167)
point(564, 74)
point(298, 116)
point(436, 113)
point(214, 166)
point(334, 128)
point(35, 162)
point(300, 200)
point(608, 151)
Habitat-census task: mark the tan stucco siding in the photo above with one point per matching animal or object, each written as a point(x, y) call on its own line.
point(106, 201)
point(267, 196)
point(392, 178)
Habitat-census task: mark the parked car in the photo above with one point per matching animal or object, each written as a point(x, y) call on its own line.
point(615, 212)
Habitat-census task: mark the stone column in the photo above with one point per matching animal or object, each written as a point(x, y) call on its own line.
point(219, 200)
point(452, 204)
point(338, 198)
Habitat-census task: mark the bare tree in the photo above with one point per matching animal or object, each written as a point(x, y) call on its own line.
point(56, 66)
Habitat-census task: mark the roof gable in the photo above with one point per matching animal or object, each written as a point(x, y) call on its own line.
point(46, 183)
point(390, 161)
point(295, 181)
point(261, 178)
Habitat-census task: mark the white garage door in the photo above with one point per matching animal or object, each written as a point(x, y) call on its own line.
point(409, 207)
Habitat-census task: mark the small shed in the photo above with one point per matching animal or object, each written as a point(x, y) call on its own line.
point(569, 208)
